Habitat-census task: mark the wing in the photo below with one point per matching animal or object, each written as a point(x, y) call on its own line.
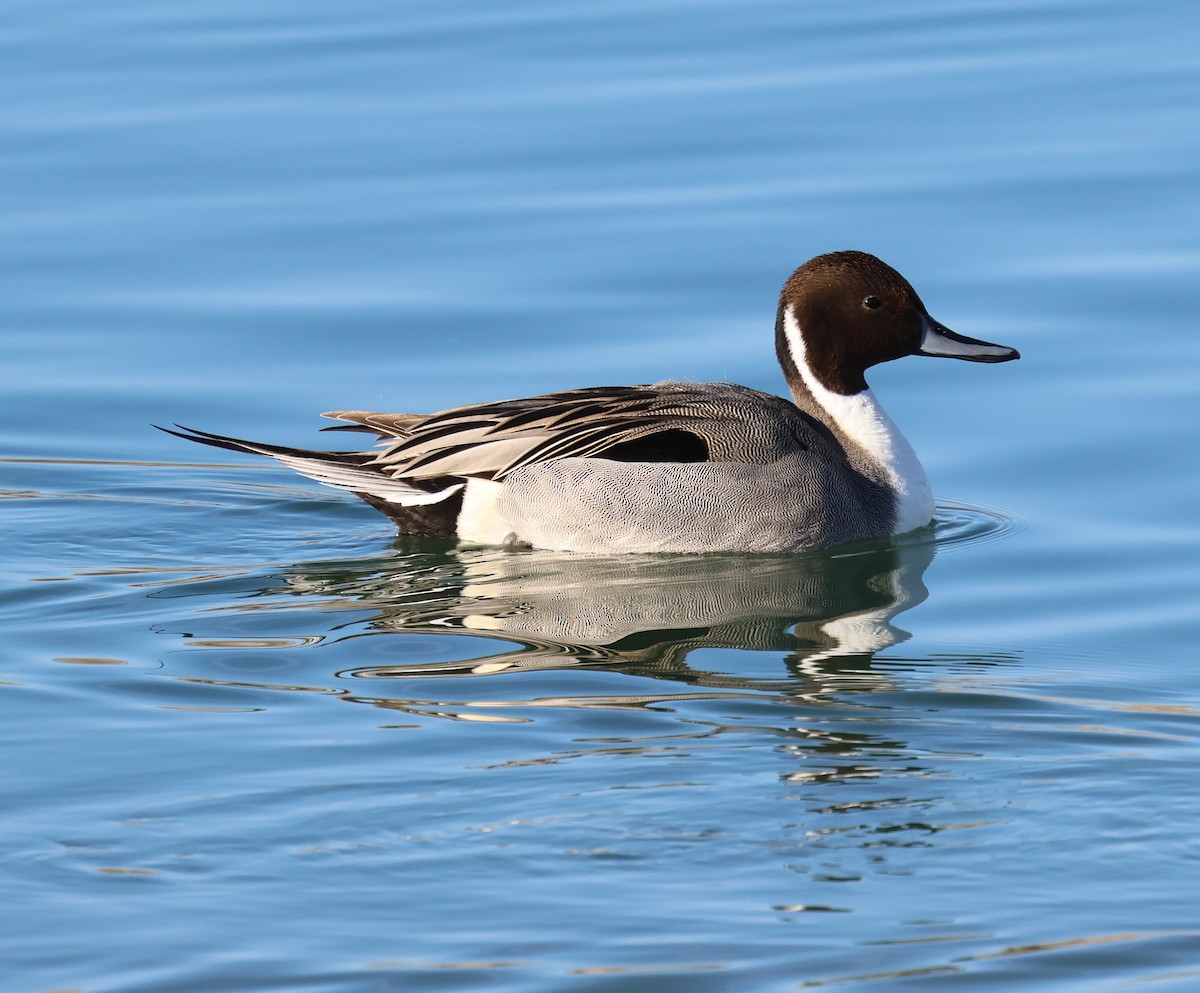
point(664, 422)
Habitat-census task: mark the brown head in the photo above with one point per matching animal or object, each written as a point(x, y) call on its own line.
point(841, 313)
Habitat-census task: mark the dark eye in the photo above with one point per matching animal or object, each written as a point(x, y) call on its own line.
point(872, 303)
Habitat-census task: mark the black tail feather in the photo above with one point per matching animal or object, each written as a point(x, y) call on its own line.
point(261, 448)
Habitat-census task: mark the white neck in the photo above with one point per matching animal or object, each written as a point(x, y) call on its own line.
point(860, 418)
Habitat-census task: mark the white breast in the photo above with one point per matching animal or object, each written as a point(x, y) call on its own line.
point(862, 419)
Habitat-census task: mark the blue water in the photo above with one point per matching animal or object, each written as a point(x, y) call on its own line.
point(963, 760)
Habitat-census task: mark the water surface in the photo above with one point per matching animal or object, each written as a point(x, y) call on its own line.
point(253, 740)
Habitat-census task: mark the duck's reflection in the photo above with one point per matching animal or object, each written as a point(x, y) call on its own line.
point(826, 613)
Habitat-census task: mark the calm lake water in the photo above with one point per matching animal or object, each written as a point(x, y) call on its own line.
point(254, 741)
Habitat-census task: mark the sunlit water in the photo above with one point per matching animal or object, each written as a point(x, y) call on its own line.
point(254, 741)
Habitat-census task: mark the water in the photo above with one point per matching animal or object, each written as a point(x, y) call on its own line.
point(253, 740)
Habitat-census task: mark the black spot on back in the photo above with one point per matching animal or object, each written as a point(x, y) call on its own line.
point(672, 445)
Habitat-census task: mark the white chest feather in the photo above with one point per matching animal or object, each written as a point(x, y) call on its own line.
point(862, 419)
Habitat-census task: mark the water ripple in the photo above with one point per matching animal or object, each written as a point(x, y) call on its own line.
point(964, 523)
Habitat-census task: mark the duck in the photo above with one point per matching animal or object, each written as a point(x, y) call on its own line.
point(672, 466)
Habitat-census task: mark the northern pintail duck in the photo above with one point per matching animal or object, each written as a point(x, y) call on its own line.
point(673, 466)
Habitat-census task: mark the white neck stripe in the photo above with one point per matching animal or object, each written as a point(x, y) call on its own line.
point(862, 420)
